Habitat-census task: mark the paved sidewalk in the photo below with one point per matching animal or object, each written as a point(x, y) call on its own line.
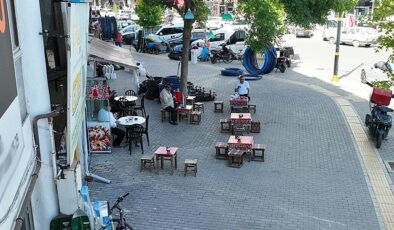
point(311, 179)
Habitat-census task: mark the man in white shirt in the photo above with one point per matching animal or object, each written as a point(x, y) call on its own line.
point(242, 87)
point(167, 103)
point(105, 114)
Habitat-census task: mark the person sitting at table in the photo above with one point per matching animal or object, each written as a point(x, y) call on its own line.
point(167, 103)
point(106, 115)
point(242, 87)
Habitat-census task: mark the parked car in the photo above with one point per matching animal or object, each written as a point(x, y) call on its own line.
point(172, 34)
point(124, 23)
point(376, 72)
point(302, 32)
point(129, 33)
point(356, 36)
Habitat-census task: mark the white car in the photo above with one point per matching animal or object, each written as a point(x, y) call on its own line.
point(356, 36)
point(376, 72)
point(172, 34)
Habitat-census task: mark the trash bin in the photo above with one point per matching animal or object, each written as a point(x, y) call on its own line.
point(61, 222)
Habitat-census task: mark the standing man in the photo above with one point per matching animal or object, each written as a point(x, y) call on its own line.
point(167, 103)
point(242, 87)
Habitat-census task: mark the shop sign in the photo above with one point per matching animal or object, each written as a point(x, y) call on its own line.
point(77, 24)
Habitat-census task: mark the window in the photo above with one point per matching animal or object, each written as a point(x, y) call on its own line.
point(13, 25)
point(218, 37)
point(165, 31)
point(177, 30)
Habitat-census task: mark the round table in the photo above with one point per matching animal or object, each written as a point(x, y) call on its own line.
point(128, 98)
point(131, 120)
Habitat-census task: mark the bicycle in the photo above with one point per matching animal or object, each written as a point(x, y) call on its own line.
point(121, 221)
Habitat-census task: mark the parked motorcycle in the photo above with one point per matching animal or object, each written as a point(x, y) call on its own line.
point(217, 55)
point(379, 122)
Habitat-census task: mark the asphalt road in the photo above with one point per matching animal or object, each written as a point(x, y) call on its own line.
point(317, 60)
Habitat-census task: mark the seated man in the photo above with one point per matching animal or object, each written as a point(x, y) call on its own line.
point(242, 87)
point(167, 103)
point(105, 114)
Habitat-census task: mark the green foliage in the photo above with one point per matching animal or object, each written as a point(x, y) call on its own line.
point(265, 20)
point(307, 12)
point(149, 15)
point(385, 10)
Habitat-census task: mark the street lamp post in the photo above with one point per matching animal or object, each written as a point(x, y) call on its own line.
point(335, 76)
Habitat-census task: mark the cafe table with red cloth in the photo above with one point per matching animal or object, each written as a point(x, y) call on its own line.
point(244, 142)
point(241, 118)
point(162, 154)
point(185, 109)
point(241, 101)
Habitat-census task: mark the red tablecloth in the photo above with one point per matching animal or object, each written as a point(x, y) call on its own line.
point(245, 119)
point(242, 101)
point(245, 142)
point(163, 151)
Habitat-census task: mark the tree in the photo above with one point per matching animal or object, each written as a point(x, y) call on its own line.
point(382, 15)
point(200, 12)
point(266, 17)
point(149, 15)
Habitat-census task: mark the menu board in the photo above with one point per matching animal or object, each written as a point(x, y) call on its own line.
point(99, 137)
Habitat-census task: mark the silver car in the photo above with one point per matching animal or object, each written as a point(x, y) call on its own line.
point(356, 36)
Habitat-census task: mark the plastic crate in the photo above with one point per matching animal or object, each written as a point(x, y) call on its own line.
point(381, 97)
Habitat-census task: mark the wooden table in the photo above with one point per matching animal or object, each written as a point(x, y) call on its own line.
point(240, 119)
point(162, 154)
point(238, 103)
point(187, 109)
point(237, 147)
point(241, 101)
point(244, 142)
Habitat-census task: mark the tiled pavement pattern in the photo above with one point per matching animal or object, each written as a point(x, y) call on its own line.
point(311, 179)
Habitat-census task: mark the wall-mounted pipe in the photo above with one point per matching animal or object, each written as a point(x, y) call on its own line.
point(33, 179)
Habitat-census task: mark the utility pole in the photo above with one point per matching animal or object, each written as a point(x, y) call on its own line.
point(335, 76)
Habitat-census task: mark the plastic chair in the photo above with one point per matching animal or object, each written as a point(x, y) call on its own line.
point(130, 92)
point(141, 106)
point(135, 134)
point(146, 129)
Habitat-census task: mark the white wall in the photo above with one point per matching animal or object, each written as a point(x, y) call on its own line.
point(44, 198)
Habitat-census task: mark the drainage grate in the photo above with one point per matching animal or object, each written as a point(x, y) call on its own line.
point(390, 166)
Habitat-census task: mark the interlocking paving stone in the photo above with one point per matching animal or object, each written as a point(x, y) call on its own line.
point(311, 177)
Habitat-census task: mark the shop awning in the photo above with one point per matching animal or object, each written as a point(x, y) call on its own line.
point(111, 53)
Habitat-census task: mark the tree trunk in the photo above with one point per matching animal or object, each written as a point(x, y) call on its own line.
point(187, 30)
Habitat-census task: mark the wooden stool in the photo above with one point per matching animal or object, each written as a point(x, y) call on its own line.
point(219, 147)
point(255, 127)
point(224, 125)
point(236, 158)
point(218, 106)
point(256, 148)
point(147, 160)
point(195, 117)
point(198, 106)
point(252, 107)
point(163, 115)
point(192, 164)
point(190, 100)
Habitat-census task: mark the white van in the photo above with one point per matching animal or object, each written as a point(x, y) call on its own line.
point(234, 38)
point(172, 34)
